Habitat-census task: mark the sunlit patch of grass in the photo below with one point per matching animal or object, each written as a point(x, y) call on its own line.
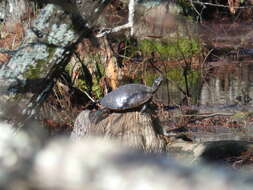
point(77, 72)
point(193, 79)
point(149, 78)
point(174, 49)
point(11, 35)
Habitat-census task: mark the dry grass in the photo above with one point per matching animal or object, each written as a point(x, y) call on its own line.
point(11, 34)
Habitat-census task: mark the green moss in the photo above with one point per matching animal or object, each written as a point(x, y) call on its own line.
point(176, 75)
point(82, 85)
point(79, 83)
point(149, 78)
point(35, 71)
point(68, 68)
point(1, 25)
point(51, 52)
point(96, 89)
point(193, 78)
point(17, 97)
point(98, 71)
point(40, 67)
point(175, 49)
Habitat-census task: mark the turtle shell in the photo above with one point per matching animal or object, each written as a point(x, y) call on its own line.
point(127, 97)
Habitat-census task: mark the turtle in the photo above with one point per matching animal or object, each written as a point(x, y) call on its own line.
point(127, 97)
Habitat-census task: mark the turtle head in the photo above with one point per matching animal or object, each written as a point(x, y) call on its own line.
point(157, 82)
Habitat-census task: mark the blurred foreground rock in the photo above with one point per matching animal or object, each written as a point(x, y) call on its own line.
point(17, 152)
point(97, 163)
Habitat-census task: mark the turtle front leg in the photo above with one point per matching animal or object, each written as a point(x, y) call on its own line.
point(98, 116)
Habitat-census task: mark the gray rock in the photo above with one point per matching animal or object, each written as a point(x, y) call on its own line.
point(27, 62)
point(29, 73)
point(17, 151)
point(99, 163)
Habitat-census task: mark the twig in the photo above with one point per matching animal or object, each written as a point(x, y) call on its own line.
point(131, 10)
point(209, 115)
point(8, 51)
point(220, 5)
point(195, 9)
point(94, 101)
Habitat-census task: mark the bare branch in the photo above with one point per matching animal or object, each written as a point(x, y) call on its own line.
point(131, 10)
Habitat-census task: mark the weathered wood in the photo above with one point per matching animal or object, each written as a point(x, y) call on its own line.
point(131, 128)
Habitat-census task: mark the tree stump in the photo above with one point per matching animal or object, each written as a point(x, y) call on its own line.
point(133, 129)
